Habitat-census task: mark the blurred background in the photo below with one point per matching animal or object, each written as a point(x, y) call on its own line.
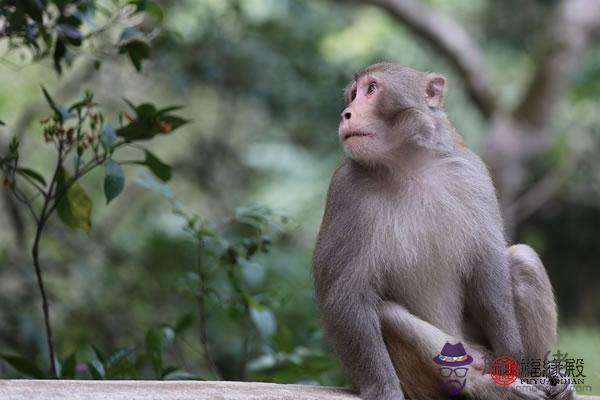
point(170, 283)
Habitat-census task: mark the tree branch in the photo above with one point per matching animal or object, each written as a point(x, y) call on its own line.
point(452, 40)
point(569, 34)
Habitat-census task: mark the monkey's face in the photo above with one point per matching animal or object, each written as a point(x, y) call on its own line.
point(387, 106)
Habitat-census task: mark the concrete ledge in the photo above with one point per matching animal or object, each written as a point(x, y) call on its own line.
point(163, 390)
point(167, 390)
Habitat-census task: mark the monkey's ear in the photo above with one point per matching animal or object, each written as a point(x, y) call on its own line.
point(435, 89)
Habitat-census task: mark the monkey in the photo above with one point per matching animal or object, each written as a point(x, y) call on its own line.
point(411, 252)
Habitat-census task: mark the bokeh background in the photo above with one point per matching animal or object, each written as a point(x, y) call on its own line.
point(262, 82)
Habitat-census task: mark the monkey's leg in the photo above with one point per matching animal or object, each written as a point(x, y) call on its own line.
point(535, 306)
point(412, 343)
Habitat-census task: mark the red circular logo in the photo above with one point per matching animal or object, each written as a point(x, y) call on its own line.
point(504, 370)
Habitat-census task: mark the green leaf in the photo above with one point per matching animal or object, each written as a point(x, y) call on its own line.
point(68, 367)
point(35, 9)
point(74, 206)
point(138, 50)
point(57, 112)
point(2, 123)
point(117, 362)
point(153, 350)
point(181, 375)
point(150, 122)
point(99, 354)
point(96, 369)
point(139, 129)
point(184, 323)
point(24, 366)
point(168, 370)
point(60, 50)
point(114, 180)
point(158, 168)
point(36, 176)
point(146, 110)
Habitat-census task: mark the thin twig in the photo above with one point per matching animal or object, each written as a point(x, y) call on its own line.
point(202, 312)
point(35, 251)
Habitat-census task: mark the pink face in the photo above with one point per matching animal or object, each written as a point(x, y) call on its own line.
point(361, 99)
point(360, 132)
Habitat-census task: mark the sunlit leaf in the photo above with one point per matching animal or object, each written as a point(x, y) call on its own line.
point(167, 371)
point(263, 319)
point(114, 180)
point(99, 354)
point(74, 205)
point(180, 375)
point(108, 135)
point(96, 369)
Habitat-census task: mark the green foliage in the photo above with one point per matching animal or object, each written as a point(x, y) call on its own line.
point(80, 136)
point(24, 366)
point(73, 205)
point(149, 122)
point(138, 50)
point(79, 132)
point(158, 168)
point(262, 80)
point(61, 28)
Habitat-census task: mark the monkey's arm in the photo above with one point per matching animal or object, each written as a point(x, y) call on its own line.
point(352, 323)
point(490, 295)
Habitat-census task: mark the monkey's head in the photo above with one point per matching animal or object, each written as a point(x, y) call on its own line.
point(387, 107)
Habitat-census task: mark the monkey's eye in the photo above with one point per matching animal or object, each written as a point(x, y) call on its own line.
point(353, 94)
point(371, 88)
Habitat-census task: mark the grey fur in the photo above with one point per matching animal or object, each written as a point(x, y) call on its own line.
point(411, 254)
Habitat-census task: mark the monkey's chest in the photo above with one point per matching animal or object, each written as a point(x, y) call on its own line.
point(423, 252)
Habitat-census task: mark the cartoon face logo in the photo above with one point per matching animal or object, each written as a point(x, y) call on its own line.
point(452, 362)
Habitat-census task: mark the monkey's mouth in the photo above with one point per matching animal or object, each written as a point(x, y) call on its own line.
point(348, 135)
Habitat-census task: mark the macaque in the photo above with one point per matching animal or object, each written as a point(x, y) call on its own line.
point(411, 254)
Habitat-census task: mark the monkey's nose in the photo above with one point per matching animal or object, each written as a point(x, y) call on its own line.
point(347, 114)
